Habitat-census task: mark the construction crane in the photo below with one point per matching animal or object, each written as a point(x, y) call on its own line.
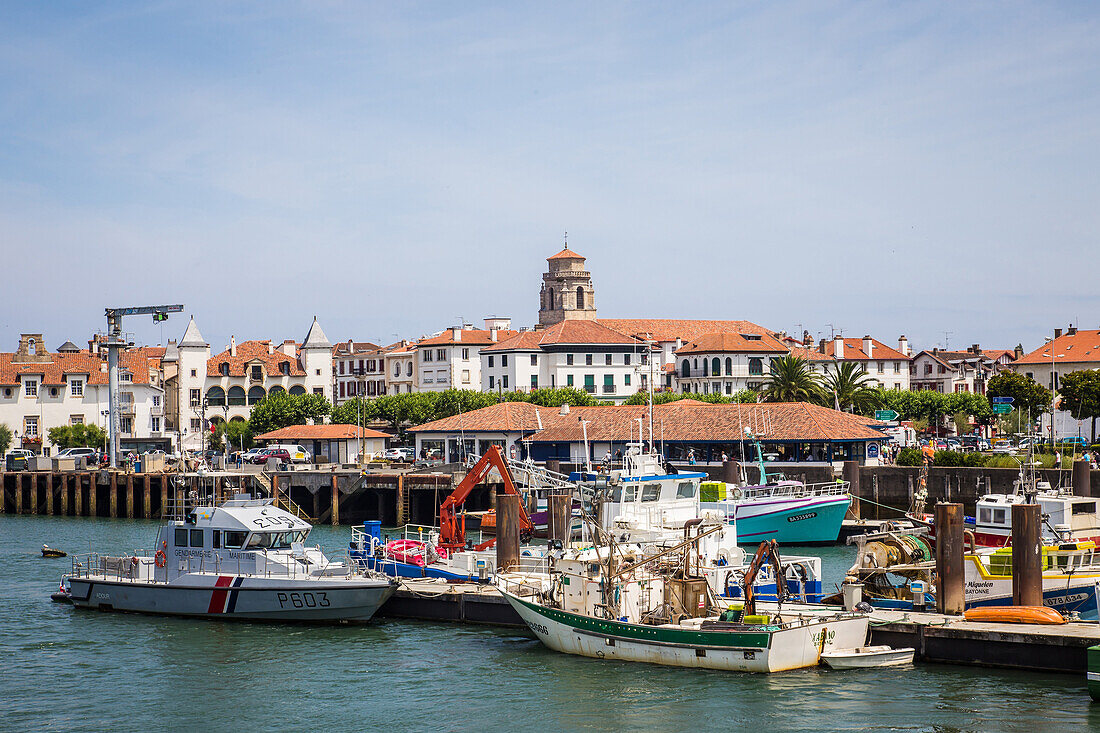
point(114, 342)
point(452, 527)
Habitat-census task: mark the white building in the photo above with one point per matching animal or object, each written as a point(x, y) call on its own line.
point(223, 387)
point(452, 359)
point(726, 363)
point(40, 390)
point(886, 366)
point(400, 367)
point(583, 354)
point(957, 371)
point(1070, 351)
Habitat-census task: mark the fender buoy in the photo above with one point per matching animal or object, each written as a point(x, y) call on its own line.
point(160, 559)
point(133, 562)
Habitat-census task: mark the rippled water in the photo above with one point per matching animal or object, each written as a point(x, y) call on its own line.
point(86, 670)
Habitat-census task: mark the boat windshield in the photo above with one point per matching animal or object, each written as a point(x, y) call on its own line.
point(273, 540)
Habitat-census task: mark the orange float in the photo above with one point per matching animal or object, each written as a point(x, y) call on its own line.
point(1014, 615)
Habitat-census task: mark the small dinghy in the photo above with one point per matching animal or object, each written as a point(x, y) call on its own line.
point(48, 551)
point(868, 656)
point(1014, 615)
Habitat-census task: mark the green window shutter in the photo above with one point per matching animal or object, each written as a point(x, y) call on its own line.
point(568, 380)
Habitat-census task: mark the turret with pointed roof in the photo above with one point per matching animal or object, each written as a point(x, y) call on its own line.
point(192, 337)
point(316, 338)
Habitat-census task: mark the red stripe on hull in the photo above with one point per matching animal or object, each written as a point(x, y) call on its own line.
point(218, 597)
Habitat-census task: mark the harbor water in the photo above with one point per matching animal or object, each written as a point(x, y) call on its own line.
point(86, 670)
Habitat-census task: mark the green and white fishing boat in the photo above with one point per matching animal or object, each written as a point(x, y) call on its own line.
point(607, 605)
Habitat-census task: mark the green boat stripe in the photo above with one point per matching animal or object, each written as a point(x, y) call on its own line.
point(677, 645)
point(619, 629)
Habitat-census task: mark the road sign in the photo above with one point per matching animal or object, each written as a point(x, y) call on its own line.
point(1001, 400)
point(1002, 409)
point(886, 415)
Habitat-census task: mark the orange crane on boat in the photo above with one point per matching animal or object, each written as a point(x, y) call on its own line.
point(452, 525)
point(767, 552)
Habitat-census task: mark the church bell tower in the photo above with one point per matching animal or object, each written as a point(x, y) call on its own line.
point(567, 292)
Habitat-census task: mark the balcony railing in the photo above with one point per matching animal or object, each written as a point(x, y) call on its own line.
point(590, 388)
point(609, 389)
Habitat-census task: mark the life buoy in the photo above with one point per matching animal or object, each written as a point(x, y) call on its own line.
point(160, 559)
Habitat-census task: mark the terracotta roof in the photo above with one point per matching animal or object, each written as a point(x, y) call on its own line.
point(357, 347)
point(565, 254)
point(523, 341)
point(82, 363)
point(508, 417)
point(996, 354)
point(732, 343)
point(1079, 348)
point(670, 329)
point(809, 354)
point(853, 351)
point(470, 337)
point(685, 420)
point(322, 432)
point(251, 351)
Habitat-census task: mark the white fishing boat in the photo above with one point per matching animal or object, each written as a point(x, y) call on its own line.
point(868, 656)
point(245, 559)
point(603, 604)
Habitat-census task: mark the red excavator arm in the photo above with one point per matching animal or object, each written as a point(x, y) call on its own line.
point(767, 552)
point(452, 526)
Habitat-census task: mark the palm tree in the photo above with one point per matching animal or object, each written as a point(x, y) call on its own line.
point(850, 387)
point(790, 380)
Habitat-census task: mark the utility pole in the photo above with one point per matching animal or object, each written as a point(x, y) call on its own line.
point(114, 343)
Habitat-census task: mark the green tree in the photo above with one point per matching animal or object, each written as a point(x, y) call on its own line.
point(5, 439)
point(238, 434)
point(790, 380)
point(76, 436)
point(850, 386)
point(279, 409)
point(1028, 396)
point(558, 396)
point(962, 422)
point(1081, 396)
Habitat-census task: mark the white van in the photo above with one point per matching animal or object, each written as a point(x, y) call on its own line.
point(298, 454)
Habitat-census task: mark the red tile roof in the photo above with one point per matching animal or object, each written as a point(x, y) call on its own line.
point(357, 347)
point(732, 343)
point(809, 354)
point(565, 254)
point(506, 417)
point(249, 352)
point(322, 432)
point(470, 337)
point(82, 363)
point(670, 329)
point(853, 351)
point(685, 420)
point(1082, 347)
point(523, 341)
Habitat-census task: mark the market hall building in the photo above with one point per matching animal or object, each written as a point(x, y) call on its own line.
point(789, 432)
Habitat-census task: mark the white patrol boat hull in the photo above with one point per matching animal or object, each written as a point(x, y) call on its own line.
point(742, 650)
point(247, 598)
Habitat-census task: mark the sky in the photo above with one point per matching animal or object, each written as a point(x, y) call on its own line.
point(394, 168)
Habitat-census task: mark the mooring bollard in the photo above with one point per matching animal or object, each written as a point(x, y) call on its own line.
point(508, 513)
point(950, 588)
point(1027, 556)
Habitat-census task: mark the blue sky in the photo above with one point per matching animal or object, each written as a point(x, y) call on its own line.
point(885, 168)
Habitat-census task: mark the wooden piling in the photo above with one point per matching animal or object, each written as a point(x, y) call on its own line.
point(19, 494)
point(950, 589)
point(34, 493)
point(335, 501)
point(401, 518)
point(92, 495)
point(850, 473)
point(147, 499)
point(316, 504)
point(112, 499)
point(130, 496)
point(559, 517)
point(64, 495)
point(49, 494)
point(508, 513)
point(78, 498)
point(1082, 478)
point(1027, 556)
point(163, 498)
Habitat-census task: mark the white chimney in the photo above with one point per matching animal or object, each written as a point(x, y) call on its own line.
point(456, 333)
point(493, 333)
point(564, 409)
point(838, 347)
point(903, 344)
point(232, 346)
point(868, 347)
point(270, 348)
point(288, 347)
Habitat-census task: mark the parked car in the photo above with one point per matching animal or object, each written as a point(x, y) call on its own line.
point(1076, 441)
point(16, 460)
point(282, 454)
point(297, 453)
point(1002, 446)
point(91, 455)
point(397, 454)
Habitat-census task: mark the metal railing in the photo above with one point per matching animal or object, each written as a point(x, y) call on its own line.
point(795, 490)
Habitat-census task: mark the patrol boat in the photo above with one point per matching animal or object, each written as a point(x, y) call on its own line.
point(245, 559)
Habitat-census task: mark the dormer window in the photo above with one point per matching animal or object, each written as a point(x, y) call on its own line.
point(126, 377)
point(257, 372)
point(30, 388)
point(223, 369)
point(284, 368)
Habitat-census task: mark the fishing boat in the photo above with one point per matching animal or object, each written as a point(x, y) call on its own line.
point(245, 559)
point(896, 568)
point(868, 656)
point(601, 603)
point(781, 509)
